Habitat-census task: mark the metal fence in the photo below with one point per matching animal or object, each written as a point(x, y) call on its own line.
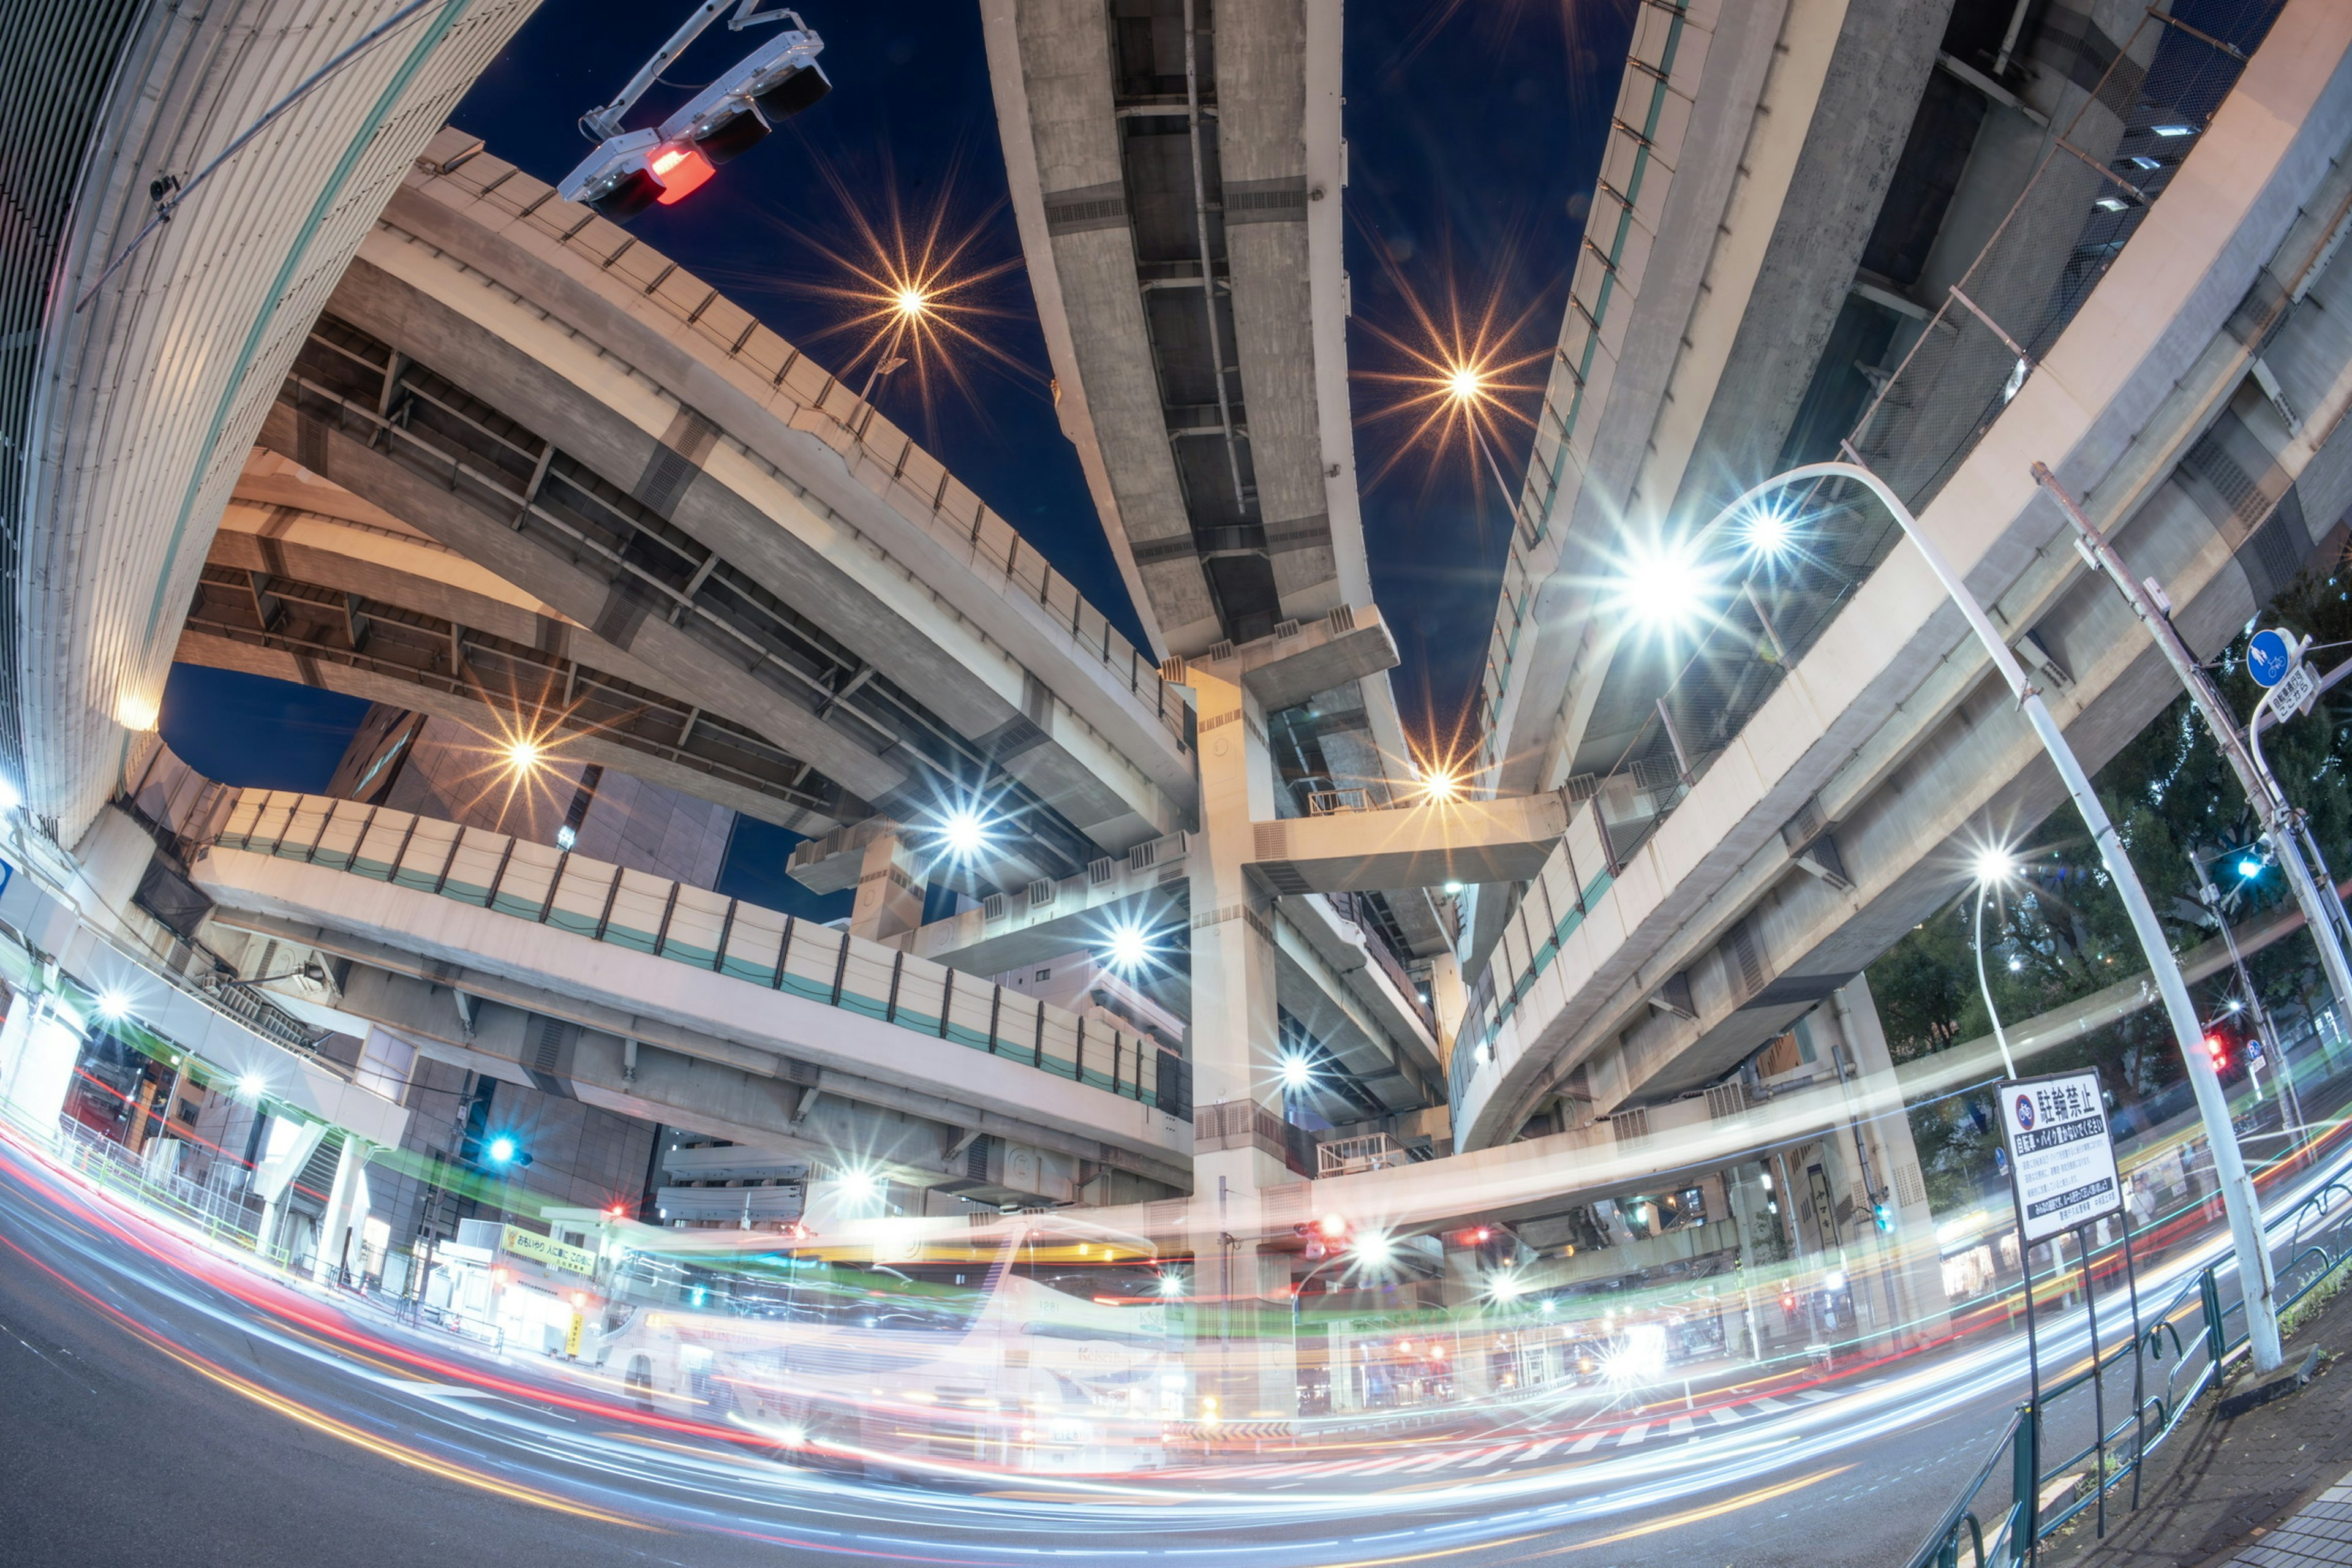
point(730, 938)
point(2178, 1356)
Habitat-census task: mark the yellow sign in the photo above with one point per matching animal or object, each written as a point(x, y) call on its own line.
point(571, 1338)
point(544, 1249)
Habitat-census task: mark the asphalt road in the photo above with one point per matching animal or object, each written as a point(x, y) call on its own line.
point(158, 1403)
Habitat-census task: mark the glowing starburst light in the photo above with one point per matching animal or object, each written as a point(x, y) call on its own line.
point(1768, 531)
point(1128, 949)
point(1665, 584)
point(964, 832)
point(1298, 1072)
point(1995, 865)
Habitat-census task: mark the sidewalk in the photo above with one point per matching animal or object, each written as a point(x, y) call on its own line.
point(2269, 1489)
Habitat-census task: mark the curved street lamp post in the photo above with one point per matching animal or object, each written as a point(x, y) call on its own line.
point(2238, 1198)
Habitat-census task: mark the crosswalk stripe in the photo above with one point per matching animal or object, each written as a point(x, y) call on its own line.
point(1766, 1402)
point(1586, 1444)
point(1726, 1418)
point(1549, 1444)
point(1678, 1426)
point(1440, 1462)
point(1634, 1435)
point(1379, 1466)
point(1488, 1458)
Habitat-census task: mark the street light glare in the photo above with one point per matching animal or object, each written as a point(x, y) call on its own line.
point(1465, 382)
point(2250, 867)
point(112, 1005)
point(1768, 530)
point(1664, 585)
point(502, 1149)
point(1298, 1072)
point(1129, 949)
point(964, 831)
point(1995, 865)
point(911, 301)
point(1374, 1248)
point(1440, 785)
point(524, 754)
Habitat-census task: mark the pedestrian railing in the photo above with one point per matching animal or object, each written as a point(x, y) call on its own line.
point(727, 937)
point(2189, 1341)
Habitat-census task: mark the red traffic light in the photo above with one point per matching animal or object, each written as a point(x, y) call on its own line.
point(2219, 1049)
point(681, 171)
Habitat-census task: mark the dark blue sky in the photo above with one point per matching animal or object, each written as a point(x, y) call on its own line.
point(1475, 132)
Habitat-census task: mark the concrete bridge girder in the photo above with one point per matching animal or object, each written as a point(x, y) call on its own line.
point(2104, 388)
point(785, 502)
point(1463, 841)
point(292, 554)
point(653, 1083)
point(728, 1022)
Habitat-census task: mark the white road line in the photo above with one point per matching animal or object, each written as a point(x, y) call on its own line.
point(1726, 1418)
point(1634, 1435)
point(1586, 1444)
point(1678, 1426)
point(1766, 1402)
point(1551, 1443)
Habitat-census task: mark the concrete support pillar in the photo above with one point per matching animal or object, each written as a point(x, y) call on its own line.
point(1243, 1357)
point(889, 887)
point(1907, 1255)
point(343, 1201)
point(37, 1053)
point(1449, 999)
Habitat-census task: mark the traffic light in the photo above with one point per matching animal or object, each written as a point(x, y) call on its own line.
point(505, 1149)
point(1884, 1212)
point(2217, 1047)
point(631, 171)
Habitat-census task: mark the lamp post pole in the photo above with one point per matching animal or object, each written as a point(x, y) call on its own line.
point(1999, 1035)
point(2256, 1279)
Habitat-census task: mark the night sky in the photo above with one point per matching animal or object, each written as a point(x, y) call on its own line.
point(1474, 131)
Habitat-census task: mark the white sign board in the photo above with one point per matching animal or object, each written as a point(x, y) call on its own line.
point(2062, 1156)
point(2296, 692)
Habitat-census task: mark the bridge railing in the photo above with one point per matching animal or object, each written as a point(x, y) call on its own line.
point(2178, 1356)
point(694, 926)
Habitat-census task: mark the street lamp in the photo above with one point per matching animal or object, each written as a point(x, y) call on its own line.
point(1994, 867)
point(2238, 1198)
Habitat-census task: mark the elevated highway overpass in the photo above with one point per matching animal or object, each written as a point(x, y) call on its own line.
point(561, 405)
point(671, 1002)
point(1647, 964)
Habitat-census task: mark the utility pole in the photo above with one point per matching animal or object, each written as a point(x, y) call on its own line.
point(2257, 1282)
point(2279, 819)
